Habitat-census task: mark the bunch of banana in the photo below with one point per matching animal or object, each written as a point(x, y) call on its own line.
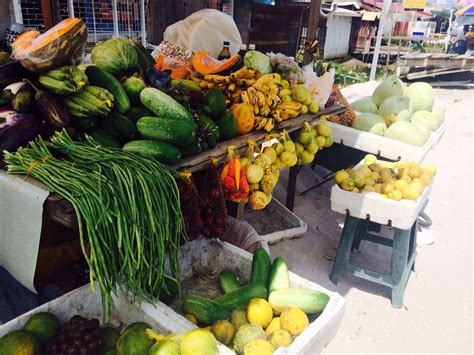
point(264, 123)
point(286, 110)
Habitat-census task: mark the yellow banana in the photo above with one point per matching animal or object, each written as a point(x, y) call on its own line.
point(217, 79)
point(256, 109)
point(269, 125)
point(274, 88)
point(264, 109)
point(284, 115)
point(277, 115)
point(203, 84)
point(231, 87)
point(262, 87)
point(252, 93)
point(260, 122)
point(241, 73)
point(266, 78)
point(292, 105)
point(260, 97)
point(211, 85)
point(291, 113)
point(245, 97)
point(250, 74)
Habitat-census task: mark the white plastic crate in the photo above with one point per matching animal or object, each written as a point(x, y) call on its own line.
point(400, 214)
point(275, 222)
point(202, 255)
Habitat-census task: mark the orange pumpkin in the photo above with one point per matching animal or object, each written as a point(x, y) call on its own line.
point(61, 44)
point(179, 70)
point(205, 64)
point(244, 117)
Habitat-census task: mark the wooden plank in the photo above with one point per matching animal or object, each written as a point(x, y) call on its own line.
point(50, 10)
point(200, 161)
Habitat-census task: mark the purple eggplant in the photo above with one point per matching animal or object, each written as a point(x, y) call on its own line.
point(11, 72)
point(18, 95)
point(51, 108)
point(16, 129)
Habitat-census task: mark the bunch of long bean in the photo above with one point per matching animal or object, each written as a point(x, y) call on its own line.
point(128, 204)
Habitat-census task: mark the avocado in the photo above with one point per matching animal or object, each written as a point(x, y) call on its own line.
point(20, 342)
point(227, 126)
point(214, 103)
point(134, 340)
point(44, 326)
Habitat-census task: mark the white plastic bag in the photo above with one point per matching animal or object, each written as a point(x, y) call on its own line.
point(320, 88)
point(205, 30)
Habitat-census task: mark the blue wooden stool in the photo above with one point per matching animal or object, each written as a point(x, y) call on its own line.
point(403, 256)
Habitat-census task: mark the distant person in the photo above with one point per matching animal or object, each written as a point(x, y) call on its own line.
point(462, 35)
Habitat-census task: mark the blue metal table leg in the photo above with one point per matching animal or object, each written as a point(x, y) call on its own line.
point(344, 250)
point(400, 271)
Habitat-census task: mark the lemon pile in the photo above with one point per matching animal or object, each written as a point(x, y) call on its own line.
point(395, 181)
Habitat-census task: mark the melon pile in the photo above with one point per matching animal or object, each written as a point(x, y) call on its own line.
point(404, 114)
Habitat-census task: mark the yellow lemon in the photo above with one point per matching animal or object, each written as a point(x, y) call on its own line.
point(260, 312)
point(428, 169)
point(274, 325)
point(258, 347)
point(370, 159)
point(224, 331)
point(294, 320)
point(395, 195)
point(400, 185)
point(281, 337)
point(341, 175)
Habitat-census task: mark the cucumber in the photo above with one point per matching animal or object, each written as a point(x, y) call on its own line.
point(85, 124)
point(228, 281)
point(309, 301)
point(105, 139)
point(135, 113)
point(278, 275)
point(205, 310)
point(192, 148)
point(260, 267)
point(119, 126)
point(99, 77)
point(163, 105)
point(178, 133)
point(241, 297)
point(161, 151)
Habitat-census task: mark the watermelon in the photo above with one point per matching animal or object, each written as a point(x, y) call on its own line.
point(405, 132)
point(395, 108)
point(426, 118)
point(392, 86)
point(370, 122)
point(421, 95)
point(425, 131)
point(364, 104)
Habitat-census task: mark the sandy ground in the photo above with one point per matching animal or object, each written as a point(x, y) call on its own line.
point(437, 315)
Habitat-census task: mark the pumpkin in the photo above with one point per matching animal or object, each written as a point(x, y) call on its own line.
point(179, 70)
point(244, 117)
point(60, 45)
point(205, 64)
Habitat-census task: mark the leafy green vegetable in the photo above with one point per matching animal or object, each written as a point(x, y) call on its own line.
point(258, 61)
point(115, 55)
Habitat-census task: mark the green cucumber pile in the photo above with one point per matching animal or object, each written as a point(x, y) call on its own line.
point(127, 207)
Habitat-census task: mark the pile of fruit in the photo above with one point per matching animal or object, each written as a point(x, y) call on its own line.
point(396, 181)
point(404, 114)
point(261, 316)
point(43, 334)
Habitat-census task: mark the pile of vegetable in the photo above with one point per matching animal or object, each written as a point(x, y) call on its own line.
point(404, 114)
point(261, 316)
point(127, 226)
point(396, 181)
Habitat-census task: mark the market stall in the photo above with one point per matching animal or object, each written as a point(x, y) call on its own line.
point(139, 155)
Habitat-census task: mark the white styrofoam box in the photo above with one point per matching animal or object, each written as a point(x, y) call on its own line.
point(400, 214)
point(205, 254)
point(378, 145)
point(84, 302)
point(201, 255)
point(436, 135)
point(275, 222)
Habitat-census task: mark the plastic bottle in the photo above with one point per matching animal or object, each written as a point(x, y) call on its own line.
point(225, 52)
point(242, 50)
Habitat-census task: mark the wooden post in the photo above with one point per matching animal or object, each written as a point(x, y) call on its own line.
point(49, 8)
point(312, 30)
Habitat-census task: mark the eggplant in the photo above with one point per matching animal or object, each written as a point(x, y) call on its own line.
point(158, 79)
point(17, 129)
point(51, 108)
point(18, 95)
point(11, 72)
